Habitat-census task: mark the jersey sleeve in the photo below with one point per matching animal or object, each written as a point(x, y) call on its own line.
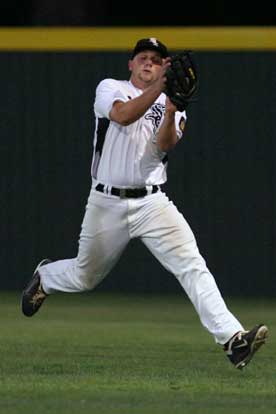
point(107, 92)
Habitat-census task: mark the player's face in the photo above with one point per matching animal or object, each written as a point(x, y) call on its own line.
point(145, 67)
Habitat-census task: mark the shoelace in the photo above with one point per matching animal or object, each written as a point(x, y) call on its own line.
point(38, 297)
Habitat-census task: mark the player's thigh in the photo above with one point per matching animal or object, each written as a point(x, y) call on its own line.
point(104, 235)
point(170, 238)
point(159, 219)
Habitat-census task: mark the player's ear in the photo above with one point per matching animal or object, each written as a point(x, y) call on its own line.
point(130, 65)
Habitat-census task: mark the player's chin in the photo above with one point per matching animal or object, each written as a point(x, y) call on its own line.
point(147, 76)
point(148, 79)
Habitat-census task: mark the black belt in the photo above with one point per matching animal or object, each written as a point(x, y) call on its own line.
point(128, 192)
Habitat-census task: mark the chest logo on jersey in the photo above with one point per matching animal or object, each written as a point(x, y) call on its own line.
point(155, 115)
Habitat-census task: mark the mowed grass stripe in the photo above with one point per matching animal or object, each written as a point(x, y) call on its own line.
point(104, 353)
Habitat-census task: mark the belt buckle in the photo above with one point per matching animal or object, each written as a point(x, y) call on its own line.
point(122, 193)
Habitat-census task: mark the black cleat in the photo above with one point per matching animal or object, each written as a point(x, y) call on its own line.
point(242, 346)
point(33, 296)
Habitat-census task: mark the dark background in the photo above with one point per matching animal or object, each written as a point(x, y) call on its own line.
point(221, 176)
point(116, 13)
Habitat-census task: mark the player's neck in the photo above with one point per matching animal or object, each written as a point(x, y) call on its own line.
point(138, 83)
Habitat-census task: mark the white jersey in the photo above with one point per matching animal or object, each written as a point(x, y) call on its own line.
point(128, 156)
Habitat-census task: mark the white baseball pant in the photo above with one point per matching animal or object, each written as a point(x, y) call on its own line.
point(110, 223)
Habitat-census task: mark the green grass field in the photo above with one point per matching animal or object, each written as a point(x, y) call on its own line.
point(127, 354)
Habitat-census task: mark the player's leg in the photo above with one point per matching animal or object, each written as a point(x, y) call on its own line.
point(104, 235)
point(169, 237)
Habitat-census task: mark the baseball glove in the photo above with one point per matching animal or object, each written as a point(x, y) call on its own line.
point(182, 80)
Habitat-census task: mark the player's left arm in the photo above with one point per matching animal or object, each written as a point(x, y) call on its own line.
point(167, 136)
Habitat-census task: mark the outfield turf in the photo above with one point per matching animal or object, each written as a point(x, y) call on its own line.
point(127, 354)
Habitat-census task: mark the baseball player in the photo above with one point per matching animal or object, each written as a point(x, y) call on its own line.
point(136, 125)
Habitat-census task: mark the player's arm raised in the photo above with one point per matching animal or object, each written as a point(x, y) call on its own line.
point(125, 113)
point(167, 136)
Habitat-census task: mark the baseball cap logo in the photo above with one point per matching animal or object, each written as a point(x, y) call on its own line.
point(154, 41)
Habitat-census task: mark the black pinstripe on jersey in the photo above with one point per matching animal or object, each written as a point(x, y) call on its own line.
point(102, 127)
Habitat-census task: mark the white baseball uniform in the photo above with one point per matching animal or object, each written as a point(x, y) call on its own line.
point(127, 157)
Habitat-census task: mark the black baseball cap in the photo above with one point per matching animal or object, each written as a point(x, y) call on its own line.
point(150, 44)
